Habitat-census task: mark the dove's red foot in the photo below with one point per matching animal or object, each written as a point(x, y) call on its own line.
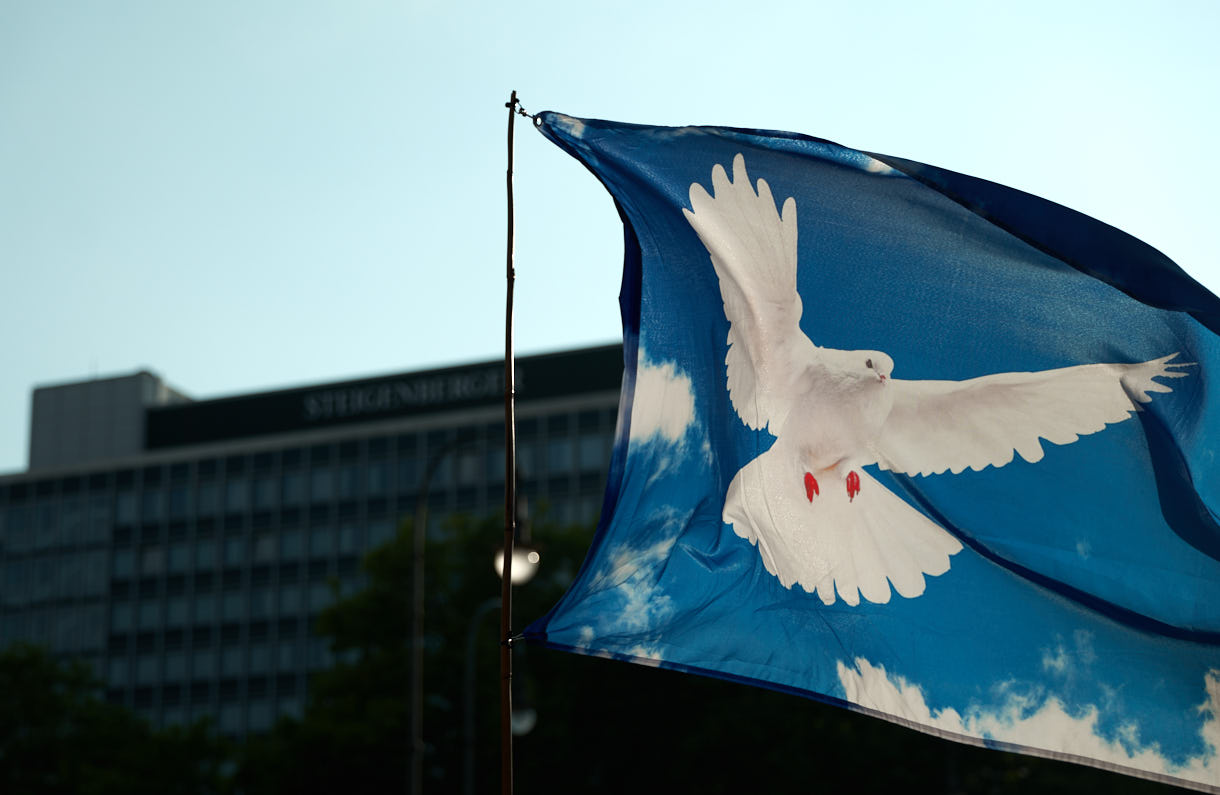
point(811, 486)
point(853, 485)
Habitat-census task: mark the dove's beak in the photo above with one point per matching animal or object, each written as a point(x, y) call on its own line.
point(881, 377)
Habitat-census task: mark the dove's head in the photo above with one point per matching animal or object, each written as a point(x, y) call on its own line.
point(876, 364)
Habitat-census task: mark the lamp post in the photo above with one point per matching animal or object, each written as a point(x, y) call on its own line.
point(522, 568)
point(419, 535)
point(472, 635)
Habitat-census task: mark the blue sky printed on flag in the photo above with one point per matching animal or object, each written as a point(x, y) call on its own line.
point(1069, 607)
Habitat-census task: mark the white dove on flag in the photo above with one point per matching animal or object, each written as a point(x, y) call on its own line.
point(819, 520)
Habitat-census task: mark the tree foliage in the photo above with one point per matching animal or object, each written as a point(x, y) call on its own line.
point(58, 736)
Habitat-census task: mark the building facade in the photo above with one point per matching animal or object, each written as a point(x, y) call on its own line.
point(183, 548)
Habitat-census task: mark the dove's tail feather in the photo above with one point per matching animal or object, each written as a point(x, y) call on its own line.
point(832, 545)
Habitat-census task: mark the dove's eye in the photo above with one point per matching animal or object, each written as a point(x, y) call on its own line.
point(868, 363)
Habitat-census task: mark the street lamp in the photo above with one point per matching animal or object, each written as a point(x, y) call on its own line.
point(525, 554)
point(525, 563)
point(524, 566)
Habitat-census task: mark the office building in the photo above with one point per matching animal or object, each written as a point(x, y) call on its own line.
point(183, 547)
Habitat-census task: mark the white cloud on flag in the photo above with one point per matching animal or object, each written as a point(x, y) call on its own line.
point(875, 166)
point(631, 572)
point(663, 411)
point(663, 405)
point(574, 126)
point(1069, 662)
point(629, 578)
point(1022, 721)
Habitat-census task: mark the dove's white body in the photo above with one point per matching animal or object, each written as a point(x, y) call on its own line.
point(835, 411)
point(836, 417)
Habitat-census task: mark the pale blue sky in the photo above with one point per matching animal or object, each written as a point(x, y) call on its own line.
point(251, 195)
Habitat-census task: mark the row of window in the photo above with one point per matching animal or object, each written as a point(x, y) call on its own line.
point(206, 665)
point(83, 574)
point(530, 431)
point(180, 704)
point(265, 545)
point(204, 691)
point(83, 521)
point(72, 575)
point(63, 629)
point(259, 715)
point(376, 479)
point(72, 522)
point(256, 604)
point(235, 551)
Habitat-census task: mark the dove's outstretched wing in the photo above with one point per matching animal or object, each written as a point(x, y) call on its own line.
point(753, 250)
point(951, 425)
point(832, 545)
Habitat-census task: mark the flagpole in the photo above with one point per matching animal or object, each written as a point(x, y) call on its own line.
point(510, 496)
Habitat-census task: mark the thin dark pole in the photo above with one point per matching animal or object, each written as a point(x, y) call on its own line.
point(510, 497)
point(419, 534)
point(472, 639)
point(419, 537)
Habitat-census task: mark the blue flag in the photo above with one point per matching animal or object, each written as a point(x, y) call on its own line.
point(909, 442)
